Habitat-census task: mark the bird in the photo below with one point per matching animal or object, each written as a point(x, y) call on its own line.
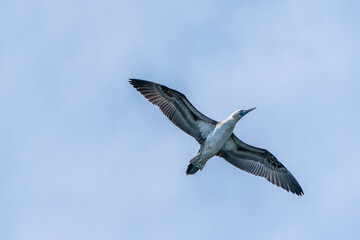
point(216, 138)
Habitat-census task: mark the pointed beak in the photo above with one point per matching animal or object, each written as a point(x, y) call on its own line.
point(247, 111)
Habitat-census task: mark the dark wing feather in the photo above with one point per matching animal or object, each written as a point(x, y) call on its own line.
point(259, 162)
point(176, 107)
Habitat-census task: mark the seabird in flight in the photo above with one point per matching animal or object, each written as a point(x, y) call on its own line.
point(216, 138)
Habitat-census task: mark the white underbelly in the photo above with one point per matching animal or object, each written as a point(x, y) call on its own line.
point(216, 140)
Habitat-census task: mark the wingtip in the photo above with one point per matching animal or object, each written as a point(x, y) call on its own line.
point(301, 193)
point(135, 82)
point(298, 191)
point(291, 186)
point(137, 79)
point(132, 79)
point(297, 188)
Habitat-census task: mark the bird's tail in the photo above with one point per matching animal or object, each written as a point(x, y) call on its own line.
point(191, 169)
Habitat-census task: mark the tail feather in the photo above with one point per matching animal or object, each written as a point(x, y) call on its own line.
point(191, 169)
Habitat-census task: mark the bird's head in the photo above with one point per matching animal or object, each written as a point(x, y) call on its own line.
point(240, 113)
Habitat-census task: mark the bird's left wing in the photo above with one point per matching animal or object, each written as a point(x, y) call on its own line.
point(176, 107)
point(259, 162)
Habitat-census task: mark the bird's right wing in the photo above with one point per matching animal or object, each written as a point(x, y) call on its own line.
point(176, 107)
point(259, 162)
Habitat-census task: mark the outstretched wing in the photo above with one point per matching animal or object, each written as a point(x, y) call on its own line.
point(259, 162)
point(176, 107)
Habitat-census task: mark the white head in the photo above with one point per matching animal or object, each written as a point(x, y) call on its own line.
point(237, 115)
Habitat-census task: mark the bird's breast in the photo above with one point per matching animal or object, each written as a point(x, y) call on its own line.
point(217, 138)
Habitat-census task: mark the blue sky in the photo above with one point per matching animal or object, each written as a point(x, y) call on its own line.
point(84, 156)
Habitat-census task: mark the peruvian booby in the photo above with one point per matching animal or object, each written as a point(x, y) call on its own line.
point(216, 138)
